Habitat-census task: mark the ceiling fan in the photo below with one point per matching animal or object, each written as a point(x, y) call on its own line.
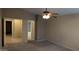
point(48, 15)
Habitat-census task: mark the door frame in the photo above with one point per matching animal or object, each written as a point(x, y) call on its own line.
point(2, 21)
point(31, 27)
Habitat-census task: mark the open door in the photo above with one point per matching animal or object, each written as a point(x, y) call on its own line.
point(31, 30)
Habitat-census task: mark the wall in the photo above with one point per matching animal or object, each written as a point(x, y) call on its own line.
point(41, 28)
point(0, 30)
point(64, 31)
point(17, 28)
point(17, 13)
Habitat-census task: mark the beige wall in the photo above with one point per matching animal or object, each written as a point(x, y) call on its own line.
point(17, 13)
point(17, 28)
point(31, 27)
point(41, 28)
point(0, 30)
point(64, 31)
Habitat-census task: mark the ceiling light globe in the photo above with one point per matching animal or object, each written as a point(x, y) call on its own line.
point(46, 16)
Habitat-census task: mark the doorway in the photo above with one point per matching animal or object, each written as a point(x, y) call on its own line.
point(12, 31)
point(8, 27)
point(31, 30)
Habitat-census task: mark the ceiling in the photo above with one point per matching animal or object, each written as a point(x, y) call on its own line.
point(60, 11)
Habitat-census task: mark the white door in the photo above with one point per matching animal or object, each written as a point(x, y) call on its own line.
point(31, 30)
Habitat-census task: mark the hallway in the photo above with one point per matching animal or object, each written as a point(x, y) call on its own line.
point(35, 46)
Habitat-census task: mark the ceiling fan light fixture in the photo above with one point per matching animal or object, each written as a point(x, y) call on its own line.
point(46, 14)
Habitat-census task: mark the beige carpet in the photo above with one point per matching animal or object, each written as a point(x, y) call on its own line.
point(35, 46)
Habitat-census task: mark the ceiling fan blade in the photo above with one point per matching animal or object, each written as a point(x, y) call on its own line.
point(54, 15)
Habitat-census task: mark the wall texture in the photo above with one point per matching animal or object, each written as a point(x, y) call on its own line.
point(64, 31)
